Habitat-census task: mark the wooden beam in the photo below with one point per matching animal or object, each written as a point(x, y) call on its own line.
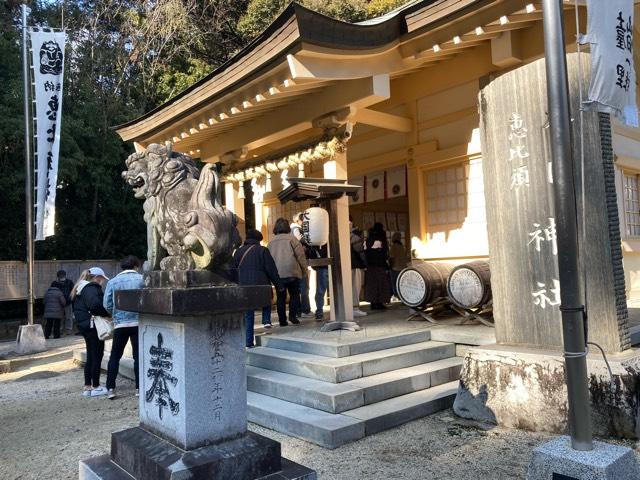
point(296, 117)
point(384, 120)
point(338, 67)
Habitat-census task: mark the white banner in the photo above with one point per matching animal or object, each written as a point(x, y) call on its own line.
point(613, 76)
point(48, 70)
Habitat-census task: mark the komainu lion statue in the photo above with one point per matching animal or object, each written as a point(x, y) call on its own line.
point(187, 227)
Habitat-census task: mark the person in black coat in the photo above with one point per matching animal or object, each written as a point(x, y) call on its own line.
point(87, 296)
point(256, 267)
point(54, 303)
point(66, 285)
point(377, 289)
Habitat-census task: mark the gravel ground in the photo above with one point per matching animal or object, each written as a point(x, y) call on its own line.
point(46, 427)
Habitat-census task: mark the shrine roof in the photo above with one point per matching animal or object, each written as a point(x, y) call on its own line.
point(262, 64)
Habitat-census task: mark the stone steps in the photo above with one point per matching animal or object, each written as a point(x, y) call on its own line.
point(327, 348)
point(333, 430)
point(339, 397)
point(337, 370)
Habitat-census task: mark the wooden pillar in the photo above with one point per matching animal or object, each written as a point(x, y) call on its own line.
point(418, 212)
point(337, 168)
point(235, 204)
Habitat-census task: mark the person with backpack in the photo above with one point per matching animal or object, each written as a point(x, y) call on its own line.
point(256, 267)
point(54, 304)
point(125, 324)
point(296, 231)
point(87, 297)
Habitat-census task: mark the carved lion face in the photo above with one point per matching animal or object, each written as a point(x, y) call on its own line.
point(156, 169)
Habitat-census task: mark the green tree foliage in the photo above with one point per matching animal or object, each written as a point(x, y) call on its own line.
point(123, 57)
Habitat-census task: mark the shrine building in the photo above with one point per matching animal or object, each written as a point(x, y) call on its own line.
point(390, 104)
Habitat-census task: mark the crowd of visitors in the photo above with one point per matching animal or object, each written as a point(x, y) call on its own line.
point(283, 264)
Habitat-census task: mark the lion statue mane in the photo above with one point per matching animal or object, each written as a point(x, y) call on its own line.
point(187, 227)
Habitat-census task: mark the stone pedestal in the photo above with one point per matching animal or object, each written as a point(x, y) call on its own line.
point(525, 388)
point(557, 460)
point(30, 339)
point(193, 395)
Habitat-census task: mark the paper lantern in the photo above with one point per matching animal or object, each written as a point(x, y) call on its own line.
point(315, 226)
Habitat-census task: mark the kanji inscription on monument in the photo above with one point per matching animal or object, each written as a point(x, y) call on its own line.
point(161, 365)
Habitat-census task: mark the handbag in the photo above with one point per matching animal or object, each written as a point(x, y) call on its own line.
point(103, 326)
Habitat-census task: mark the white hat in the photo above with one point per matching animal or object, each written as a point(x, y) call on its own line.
point(97, 271)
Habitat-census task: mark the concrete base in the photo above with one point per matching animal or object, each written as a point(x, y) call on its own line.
point(30, 339)
point(520, 388)
point(102, 468)
point(557, 460)
point(136, 453)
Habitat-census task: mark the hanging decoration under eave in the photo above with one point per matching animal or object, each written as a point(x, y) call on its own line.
point(613, 76)
point(322, 151)
point(48, 74)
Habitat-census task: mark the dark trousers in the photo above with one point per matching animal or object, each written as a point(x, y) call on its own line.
point(120, 338)
point(291, 285)
point(250, 318)
point(95, 351)
point(49, 323)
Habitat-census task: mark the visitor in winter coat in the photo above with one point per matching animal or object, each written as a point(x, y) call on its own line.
point(397, 259)
point(288, 253)
point(125, 324)
point(296, 231)
point(54, 303)
point(87, 301)
point(66, 285)
point(256, 267)
point(358, 266)
point(376, 279)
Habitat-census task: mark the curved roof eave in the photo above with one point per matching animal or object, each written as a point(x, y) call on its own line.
point(312, 28)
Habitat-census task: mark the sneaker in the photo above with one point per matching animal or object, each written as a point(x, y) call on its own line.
point(306, 315)
point(86, 392)
point(112, 394)
point(99, 391)
point(266, 325)
point(137, 392)
point(359, 313)
point(319, 318)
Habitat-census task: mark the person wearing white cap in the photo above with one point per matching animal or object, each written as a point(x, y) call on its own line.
point(87, 296)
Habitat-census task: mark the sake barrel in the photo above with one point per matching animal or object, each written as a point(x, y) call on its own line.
point(469, 284)
point(422, 283)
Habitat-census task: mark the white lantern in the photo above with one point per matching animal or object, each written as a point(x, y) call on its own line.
point(315, 226)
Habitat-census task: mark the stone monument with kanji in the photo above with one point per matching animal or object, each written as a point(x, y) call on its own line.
point(193, 391)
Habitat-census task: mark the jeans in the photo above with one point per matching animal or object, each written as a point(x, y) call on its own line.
point(52, 322)
point(291, 285)
point(120, 338)
point(322, 284)
point(305, 306)
point(394, 278)
point(250, 317)
point(95, 351)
